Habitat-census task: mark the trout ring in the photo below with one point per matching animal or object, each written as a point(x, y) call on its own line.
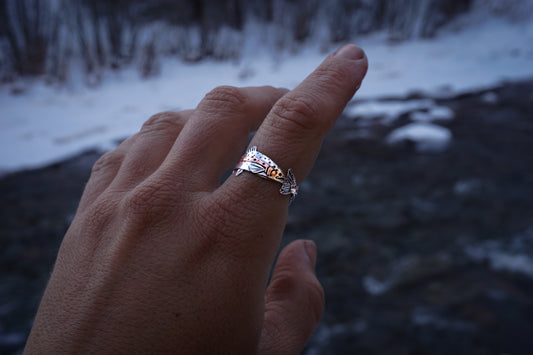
point(258, 163)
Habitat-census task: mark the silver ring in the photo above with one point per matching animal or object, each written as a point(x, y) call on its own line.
point(258, 163)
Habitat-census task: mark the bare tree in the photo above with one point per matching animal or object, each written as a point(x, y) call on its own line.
point(27, 25)
point(40, 36)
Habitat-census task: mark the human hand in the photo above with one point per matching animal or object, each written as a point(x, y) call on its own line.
point(162, 258)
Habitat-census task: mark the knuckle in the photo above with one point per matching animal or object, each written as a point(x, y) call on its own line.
point(285, 282)
point(110, 161)
point(288, 282)
point(302, 112)
point(99, 214)
point(164, 121)
point(228, 98)
point(149, 202)
point(220, 221)
point(224, 222)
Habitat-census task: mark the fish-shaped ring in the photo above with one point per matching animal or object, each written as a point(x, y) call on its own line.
point(258, 163)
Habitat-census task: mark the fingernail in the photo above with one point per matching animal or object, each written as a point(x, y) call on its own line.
point(350, 51)
point(310, 249)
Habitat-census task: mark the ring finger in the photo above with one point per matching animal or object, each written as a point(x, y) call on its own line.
point(150, 147)
point(217, 131)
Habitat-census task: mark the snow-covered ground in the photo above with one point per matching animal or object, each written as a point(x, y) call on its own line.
point(45, 124)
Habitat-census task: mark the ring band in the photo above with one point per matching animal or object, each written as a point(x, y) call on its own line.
point(258, 163)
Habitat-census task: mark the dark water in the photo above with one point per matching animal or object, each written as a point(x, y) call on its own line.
point(419, 253)
point(427, 253)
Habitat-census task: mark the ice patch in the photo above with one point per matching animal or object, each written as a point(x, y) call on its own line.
point(465, 187)
point(407, 270)
point(490, 98)
point(501, 260)
point(424, 317)
point(512, 262)
point(385, 112)
point(324, 332)
point(374, 286)
point(438, 113)
point(516, 256)
point(427, 137)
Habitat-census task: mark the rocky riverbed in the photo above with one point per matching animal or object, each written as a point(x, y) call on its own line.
point(425, 247)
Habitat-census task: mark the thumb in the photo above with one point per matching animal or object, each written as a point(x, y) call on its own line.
point(294, 301)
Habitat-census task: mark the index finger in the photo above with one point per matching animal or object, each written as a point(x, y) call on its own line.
point(292, 133)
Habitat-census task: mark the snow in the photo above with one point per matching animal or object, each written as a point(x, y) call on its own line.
point(44, 124)
point(504, 255)
point(490, 98)
point(385, 111)
point(374, 286)
point(427, 137)
point(466, 187)
point(456, 62)
point(424, 317)
point(437, 113)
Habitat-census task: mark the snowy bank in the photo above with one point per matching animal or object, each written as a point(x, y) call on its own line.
point(44, 124)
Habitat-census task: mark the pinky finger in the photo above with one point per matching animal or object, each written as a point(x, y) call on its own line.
point(103, 173)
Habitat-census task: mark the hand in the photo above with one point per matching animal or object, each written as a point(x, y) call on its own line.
point(163, 258)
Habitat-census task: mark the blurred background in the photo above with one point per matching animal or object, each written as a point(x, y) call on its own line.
point(421, 202)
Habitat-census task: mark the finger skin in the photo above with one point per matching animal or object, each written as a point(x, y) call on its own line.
point(217, 131)
point(135, 158)
point(293, 131)
point(291, 135)
point(294, 301)
point(151, 146)
point(103, 173)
